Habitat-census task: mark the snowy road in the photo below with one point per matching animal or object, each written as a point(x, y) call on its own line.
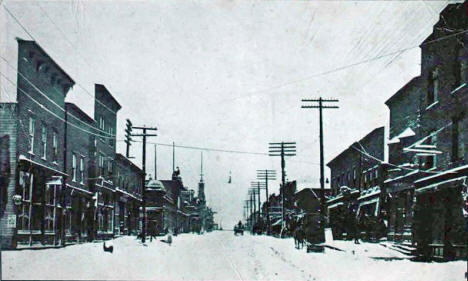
point(220, 256)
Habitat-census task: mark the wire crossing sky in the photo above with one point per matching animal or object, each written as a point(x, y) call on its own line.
point(228, 77)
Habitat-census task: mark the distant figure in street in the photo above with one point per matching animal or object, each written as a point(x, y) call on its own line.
point(109, 248)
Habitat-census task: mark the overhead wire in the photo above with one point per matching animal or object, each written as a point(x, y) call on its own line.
point(53, 102)
point(32, 37)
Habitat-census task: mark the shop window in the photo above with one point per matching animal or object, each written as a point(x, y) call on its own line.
point(50, 207)
point(68, 212)
point(24, 189)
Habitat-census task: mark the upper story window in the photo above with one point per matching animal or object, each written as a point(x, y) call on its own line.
point(461, 66)
point(81, 170)
point(458, 146)
point(101, 164)
point(74, 174)
point(433, 89)
point(32, 128)
point(102, 124)
point(54, 146)
point(44, 141)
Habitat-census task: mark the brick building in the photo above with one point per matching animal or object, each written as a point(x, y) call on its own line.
point(404, 129)
point(37, 131)
point(440, 228)
point(101, 161)
point(78, 215)
point(128, 185)
point(356, 180)
point(57, 163)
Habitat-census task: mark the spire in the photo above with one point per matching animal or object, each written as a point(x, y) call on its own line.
point(201, 167)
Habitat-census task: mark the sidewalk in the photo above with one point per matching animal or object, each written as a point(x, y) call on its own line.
point(381, 250)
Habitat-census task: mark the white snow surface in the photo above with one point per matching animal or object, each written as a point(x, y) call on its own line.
point(221, 256)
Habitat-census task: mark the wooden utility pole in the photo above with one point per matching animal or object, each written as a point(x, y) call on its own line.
point(144, 135)
point(267, 175)
point(282, 149)
point(155, 162)
point(173, 156)
point(320, 107)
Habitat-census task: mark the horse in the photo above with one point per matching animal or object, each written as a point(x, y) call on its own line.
point(299, 237)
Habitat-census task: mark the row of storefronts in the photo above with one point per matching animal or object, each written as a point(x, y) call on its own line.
point(417, 194)
point(61, 179)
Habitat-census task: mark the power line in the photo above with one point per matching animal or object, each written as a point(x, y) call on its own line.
point(49, 111)
point(50, 100)
point(32, 37)
point(343, 67)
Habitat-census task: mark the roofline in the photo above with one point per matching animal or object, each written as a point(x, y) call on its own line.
point(48, 56)
point(77, 108)
point(349, 148)
point(402, 89)
point(133, 165)
point(109, 94)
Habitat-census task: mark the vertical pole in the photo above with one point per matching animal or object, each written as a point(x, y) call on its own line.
point(254, 204)
point(127, 152)
point(143, 188)
point(267, 203)
point(155, 162)
point(173, 156)
point(259, 205)
point(282, 183)
point(322, 169)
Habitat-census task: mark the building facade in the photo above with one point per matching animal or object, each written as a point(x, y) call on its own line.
point(357, 175)
point(128, 182)
point(440, 227)
point(57, 163)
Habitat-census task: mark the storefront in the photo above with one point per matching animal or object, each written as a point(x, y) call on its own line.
point(399, 206)
point(105, 209)
point(439, 219)
point(38, 208)
point(342, 212)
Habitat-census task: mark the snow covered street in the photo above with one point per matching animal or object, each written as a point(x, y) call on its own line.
point(222, 256)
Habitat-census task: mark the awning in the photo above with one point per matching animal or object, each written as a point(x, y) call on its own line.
point(441, 185)
point(369, 193)
point(79, 189)
point(368, 202)
point(332, 206)
point(55, 181)
point(23, 158)
point(105, 187)
point(127, 194)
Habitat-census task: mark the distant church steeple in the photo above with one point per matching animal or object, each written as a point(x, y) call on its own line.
point(201, 184)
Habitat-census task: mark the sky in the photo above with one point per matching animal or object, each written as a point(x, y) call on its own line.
point(229, 75)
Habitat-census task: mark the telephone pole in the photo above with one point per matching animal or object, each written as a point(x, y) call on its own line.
point(155, 162)
point(320, 107)
point(267, 175)
point(258, 185)
point(282, 149)
point(144, 129)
